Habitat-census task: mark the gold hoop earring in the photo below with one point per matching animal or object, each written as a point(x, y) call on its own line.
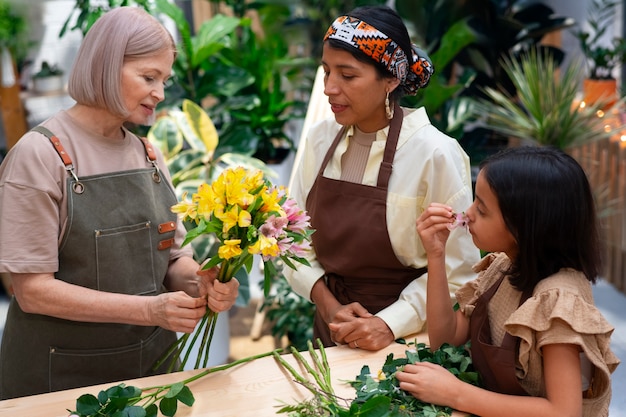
point(388, 108)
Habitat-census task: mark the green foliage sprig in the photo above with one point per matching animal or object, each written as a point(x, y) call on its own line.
point(129, 401)
point(544, 110)
point(602, 57)
point(376, 395)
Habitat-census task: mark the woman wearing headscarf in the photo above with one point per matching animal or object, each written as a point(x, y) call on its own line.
point(365, 177)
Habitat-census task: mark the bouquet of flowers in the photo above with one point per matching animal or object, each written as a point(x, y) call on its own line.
point(249, 216)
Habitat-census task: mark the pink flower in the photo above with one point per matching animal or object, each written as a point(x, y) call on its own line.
point(458, 220)
point(300, 249)
point(298, 219)
point(274, 226)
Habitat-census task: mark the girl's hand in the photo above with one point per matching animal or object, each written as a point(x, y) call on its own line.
point(434, 226)
point(429, 383)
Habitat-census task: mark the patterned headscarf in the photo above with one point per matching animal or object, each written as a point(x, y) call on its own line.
point(384, 50)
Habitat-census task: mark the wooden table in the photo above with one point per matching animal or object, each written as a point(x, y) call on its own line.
point(256, 388)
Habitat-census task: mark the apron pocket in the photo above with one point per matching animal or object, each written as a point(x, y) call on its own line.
point(73, 368)
point(124, 260)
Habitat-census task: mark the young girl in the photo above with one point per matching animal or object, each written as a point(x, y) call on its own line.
point(537, 340)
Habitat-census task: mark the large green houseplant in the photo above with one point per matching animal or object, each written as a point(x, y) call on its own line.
point(544, 110)
point(496, 28)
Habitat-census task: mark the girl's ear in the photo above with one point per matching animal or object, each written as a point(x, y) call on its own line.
point(392, 83)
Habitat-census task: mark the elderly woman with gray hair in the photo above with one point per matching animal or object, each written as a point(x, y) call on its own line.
point(86, 232)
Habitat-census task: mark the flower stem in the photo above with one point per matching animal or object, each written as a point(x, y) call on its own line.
point(214, 369)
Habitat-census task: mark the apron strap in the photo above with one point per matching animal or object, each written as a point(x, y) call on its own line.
point(78, 187)
point(56, 143)
point(386, 166)
point(67, 160)
point(150, 154)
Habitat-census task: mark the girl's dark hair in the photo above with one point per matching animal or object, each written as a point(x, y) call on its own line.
point(388, 22)
point(547, 204)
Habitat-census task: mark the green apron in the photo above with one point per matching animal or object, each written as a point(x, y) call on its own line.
point(118, 238)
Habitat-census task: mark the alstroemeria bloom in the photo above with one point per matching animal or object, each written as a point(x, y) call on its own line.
point(185, 208)
point(233, 216)
point(459, 220)
point(271, 201)
point(206, 200)
point(266, 246)
point(300, 249)
point(274, 226)
point(231, 186)
point(298, 219)
point(255, 180)
point(230, 249)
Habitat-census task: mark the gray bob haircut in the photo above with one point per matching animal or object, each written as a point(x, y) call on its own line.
point(124, 33)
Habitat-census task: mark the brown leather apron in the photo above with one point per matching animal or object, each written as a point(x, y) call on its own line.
point(120, 229)
point(495, 364)
point(351, 239)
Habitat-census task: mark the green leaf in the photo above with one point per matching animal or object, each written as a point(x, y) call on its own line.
point(201, 127)
point(152, 410)
point(133, 411)
point(174, 390)
point(185, 396)
point(210, 37)
point(87, 405)
point(168, 406)
point(166, 136)
point(375, 407)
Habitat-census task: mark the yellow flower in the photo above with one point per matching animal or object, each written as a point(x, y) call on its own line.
point(230, 249)
point(271, 202)
point(234, 216)
point(206, 200)
point(255, 179)
point(381, 375)
point(185, 209)
point(266, 246)
point(232, 189)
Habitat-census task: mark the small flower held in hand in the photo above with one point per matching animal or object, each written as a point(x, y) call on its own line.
point(458, 220)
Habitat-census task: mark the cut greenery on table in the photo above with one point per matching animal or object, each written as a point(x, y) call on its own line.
point(129, 401)
point(379, 394)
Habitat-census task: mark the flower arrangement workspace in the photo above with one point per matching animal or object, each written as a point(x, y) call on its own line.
point(249, 216)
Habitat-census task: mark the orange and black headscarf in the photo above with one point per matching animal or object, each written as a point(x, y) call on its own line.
point(383, 50)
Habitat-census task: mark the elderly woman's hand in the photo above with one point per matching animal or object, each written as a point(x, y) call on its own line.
point(220, 296)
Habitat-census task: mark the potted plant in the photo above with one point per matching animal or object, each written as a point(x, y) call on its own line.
point(14, 35)
point(48, 79)
point(601, 57)
point(544, 110)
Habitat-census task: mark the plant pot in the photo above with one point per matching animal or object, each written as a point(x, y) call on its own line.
point(51, 84)
point(595, 90)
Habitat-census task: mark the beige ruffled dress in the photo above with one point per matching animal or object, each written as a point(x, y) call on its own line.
point(561, 310)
